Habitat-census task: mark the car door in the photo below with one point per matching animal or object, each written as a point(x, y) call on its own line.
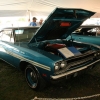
point(6, 45)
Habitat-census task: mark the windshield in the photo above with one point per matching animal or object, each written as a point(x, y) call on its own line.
point(24, 35)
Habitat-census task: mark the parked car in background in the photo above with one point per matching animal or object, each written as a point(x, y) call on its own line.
point(43, 53)
point(87, 34)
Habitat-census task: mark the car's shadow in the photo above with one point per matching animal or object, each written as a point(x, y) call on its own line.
point(82, 85)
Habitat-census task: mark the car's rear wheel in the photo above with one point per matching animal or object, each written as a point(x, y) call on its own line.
point(33, 78)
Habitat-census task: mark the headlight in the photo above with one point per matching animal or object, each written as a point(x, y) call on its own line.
point(60, 65)
point(63, 64)
point(57, 66)
point(98, 53)
point(95, 54)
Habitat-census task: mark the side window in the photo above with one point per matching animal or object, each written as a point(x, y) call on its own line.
point(7, 36)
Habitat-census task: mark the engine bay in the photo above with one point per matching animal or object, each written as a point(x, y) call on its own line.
point(64, 49)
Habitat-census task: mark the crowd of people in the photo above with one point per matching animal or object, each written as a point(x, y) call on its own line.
point(35, 23)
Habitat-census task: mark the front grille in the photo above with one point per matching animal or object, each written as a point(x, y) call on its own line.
point(77, 62)
point(70, 65)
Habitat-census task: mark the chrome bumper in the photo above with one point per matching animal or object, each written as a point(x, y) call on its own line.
point(73, 71)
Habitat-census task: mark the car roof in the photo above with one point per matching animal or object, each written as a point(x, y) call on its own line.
point(89, 26)
point(25, 27)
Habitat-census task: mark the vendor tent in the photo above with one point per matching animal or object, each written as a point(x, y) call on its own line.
point(43, 7)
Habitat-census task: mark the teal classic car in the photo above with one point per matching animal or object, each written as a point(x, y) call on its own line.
point(87, 34)
point(43, 53)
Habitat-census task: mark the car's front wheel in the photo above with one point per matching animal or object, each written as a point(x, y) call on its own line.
point(33, 78)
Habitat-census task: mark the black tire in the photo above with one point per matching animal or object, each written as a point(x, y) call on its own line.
point(33, 78)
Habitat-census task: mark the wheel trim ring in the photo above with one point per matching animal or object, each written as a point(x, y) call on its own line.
point(31, 83)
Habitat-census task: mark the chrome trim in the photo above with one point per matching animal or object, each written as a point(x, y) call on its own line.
point(73, 71)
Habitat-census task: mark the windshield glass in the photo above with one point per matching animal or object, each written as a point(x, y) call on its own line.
point(24, 35)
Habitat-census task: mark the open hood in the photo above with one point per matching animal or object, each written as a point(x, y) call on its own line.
point(61, 23)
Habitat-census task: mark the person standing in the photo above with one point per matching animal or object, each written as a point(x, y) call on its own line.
point(33, 23)
point(41, 21)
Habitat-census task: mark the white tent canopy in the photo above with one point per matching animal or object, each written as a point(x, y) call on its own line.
point(43, 7)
